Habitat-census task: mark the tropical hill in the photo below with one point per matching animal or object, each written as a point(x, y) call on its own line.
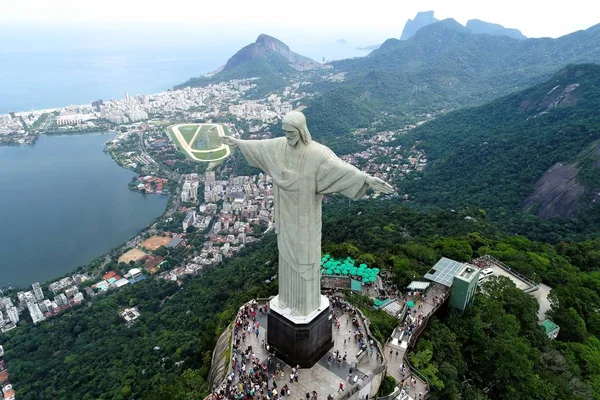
point(267, 58)
point(263, 46)
point(488, 28)
point(536, 151)
point(446, 66)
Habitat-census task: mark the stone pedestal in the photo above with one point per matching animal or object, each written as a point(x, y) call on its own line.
point(301, 340)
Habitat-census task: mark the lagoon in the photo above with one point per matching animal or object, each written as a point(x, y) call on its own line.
point(64, 202)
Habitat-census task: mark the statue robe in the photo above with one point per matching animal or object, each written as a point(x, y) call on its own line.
point(298, 193)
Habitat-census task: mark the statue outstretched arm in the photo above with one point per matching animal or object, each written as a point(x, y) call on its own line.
point(379, 185)
point(228, 140)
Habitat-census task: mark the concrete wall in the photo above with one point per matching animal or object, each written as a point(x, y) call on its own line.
point(370, 387)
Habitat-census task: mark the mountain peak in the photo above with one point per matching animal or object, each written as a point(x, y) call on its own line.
point(263, 46)
point(270, 42)
point(444, 26)
point(479, 26)
point(422, 19)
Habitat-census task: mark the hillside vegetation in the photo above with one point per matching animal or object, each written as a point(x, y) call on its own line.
point(445, 66)
point(492, 156)
point(91, 354)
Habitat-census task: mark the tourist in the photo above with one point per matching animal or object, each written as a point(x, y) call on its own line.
point(341, 388)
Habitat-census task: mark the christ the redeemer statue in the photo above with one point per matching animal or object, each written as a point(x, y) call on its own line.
point(302, 171)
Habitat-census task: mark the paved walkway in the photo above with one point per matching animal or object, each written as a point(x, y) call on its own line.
point(397, 345)
point(321, 378)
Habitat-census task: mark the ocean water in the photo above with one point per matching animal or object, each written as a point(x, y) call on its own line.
point(42, 79)
point(48, 69)
point(63, 202)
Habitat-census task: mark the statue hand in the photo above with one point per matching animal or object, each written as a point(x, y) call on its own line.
point(228, 140)
point(379, 185)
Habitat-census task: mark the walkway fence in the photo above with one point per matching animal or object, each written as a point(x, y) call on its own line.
point(419, 329)
point(532, 285)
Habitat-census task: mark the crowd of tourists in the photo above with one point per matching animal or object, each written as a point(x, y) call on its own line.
point(249, 378)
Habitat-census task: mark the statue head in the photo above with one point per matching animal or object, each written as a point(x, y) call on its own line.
point(296, 120)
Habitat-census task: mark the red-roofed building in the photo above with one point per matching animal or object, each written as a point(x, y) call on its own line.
point(3, 376)
point(153, 261)
point(110, 274)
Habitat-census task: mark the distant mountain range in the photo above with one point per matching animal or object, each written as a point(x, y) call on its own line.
point(477, 26)
point(446, 66)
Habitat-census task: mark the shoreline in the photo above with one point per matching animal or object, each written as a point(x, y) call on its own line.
point(10, 289)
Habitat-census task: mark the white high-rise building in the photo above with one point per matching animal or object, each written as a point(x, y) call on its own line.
point(36, 313)
point(13, 314)
point(37, 291)
point(72, 291)
point(6, 302)
point(209, 177)
point(61, 300)
point(185, 192)
point(46, 306)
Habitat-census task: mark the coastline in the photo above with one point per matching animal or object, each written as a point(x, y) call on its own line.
point(9, 290)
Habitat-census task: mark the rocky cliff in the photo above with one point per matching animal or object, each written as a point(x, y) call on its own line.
point(264, 46)
point(422, 19)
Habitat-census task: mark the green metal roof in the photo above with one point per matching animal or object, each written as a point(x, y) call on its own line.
point(549, 326)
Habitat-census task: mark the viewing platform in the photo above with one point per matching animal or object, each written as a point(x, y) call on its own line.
point(361, 373)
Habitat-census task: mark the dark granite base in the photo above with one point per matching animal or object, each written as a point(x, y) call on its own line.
point(300, 344)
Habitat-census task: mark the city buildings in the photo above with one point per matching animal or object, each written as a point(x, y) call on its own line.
point(37, 291)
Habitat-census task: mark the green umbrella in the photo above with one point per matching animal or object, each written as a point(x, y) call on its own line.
point(376, 270)
point(410, 304)
point(362, 266)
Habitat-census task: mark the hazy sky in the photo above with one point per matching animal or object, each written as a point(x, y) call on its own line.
point(373, 20)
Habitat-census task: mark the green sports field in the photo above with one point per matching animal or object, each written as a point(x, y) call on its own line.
point(207, 139)
point(199, 142)
point(213, 155)
point(188, 131)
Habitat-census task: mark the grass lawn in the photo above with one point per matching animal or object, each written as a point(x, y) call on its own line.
point(188, 131)
point(207, 139)
point(178, 145)
point(210, 156)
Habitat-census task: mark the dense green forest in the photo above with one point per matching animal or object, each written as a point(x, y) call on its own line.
point(90, 353)
point(492, 156)
point(456, 352)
